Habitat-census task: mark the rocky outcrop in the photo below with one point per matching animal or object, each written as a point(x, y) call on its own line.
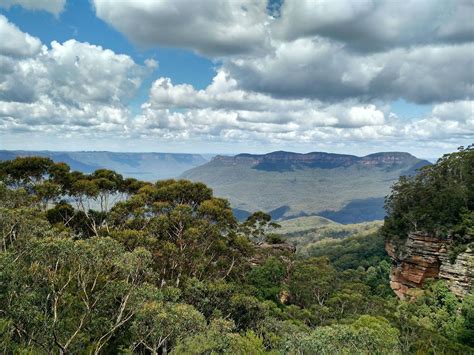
point(421, 257)
point(283, 251)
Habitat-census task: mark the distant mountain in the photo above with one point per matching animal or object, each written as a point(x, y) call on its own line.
point(343, 188)
point(143, 166)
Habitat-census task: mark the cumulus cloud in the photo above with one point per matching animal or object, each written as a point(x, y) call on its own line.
point(73, 72)
point(15, 42)
point(230, 27)
point(237, 27)
point(53, 6)
point(368, 25)
point(453, 119)
point(417, 50)
point(459, 110)
point(319, 68)
point(69, 86)
point(320, 74)
point(223, 112)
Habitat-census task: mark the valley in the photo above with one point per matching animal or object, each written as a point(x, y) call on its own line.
point(343, 188)
point(143, 166)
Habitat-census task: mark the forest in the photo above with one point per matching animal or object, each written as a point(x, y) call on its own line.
point(97, 263)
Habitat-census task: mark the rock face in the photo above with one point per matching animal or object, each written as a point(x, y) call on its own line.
point(263, 250)
point(422, 257)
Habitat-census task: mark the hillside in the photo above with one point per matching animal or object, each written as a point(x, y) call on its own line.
point(306, 233)
point(304, 224)
point(167, 270)
point(343, 188)
point(143, 166)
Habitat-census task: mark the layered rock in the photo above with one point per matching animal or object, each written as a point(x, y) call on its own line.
point(421, 257)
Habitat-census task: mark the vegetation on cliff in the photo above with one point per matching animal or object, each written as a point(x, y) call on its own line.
point(438, 200)
point(95, 263)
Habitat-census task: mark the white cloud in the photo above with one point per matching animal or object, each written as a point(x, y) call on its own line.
point(368, 25)
point(447, 121)
point(15, 42)
point(71, 86)
point(285, 82)
point(329, 50)
point(223, 112)
point(83, 72)
point(151, 63)
point(53, 6)
point(462, 111)
point(210, 28)
point(326, 70)
point(73, 72)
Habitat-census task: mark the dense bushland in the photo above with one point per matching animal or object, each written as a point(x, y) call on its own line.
point(439, 199)
point(101, 264)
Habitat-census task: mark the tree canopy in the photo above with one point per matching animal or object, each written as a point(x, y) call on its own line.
point(439, 199)
point(97, 263)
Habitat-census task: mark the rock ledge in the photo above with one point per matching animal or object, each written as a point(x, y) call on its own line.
point(422, 257)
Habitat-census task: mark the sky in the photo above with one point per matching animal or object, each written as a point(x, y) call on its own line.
point(216, 76)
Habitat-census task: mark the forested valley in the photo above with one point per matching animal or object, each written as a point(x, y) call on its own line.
point(97, 263)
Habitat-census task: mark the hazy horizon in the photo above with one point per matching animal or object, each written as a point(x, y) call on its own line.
point(211, 154)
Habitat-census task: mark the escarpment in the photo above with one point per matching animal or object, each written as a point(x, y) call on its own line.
point(420, 257)
point(289, 161)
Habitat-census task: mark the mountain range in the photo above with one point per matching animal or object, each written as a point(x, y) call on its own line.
point(143, 166)
point(344, 188)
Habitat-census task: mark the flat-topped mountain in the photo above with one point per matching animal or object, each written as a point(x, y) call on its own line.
point(288, 161)
point(345, 188)
point(143, 166)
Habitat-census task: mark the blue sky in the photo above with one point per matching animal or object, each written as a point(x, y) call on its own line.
point(232, 77)
point(78, 21)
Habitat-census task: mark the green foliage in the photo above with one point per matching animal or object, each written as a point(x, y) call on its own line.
point(208, 297)
point(159, 325)
point(312, 281)
point(360, 250)
point(94, 263)
point(219, 339)
point(19, 224)
point(257, 226)
point(439, 200)
point(268, 279)
point(368, 335)
point(60, 293)
point(247, 311)
point(466, 334)
point(25, 172)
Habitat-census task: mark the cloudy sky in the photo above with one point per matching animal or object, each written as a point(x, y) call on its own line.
point(215, 76)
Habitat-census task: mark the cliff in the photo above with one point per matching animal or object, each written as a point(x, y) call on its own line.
point(288, 161)
point(421, 257)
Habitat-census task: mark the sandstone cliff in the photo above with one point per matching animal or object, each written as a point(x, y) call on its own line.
point(422, 257)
